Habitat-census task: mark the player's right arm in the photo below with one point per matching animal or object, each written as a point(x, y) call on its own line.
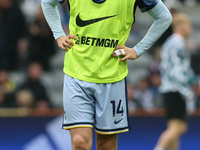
point(52, 16)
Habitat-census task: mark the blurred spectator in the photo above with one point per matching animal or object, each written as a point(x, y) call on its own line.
point(132, 102)
point(29, 8)
point(195, 61)
point(6, 99)
point(1, 97)
point(197, 91)
point(190, 2)
point(12, 31)
point(7, 88)
point(175, 2)
point(144, 95)
point(154, 83)
point(42, 43)
point(34, 84)
point(24, 98)
point(8, 85)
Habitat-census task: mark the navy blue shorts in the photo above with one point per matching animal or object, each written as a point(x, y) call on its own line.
point(175, 106)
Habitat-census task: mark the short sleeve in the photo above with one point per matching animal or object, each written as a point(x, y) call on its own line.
point(146, 5)
point(60, 1)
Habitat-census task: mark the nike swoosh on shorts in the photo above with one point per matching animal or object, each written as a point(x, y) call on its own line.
point(116, 122)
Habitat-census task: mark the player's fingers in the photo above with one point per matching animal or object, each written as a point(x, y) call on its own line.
point(116, 53)
point(120, 47)
point(72, 36)
point(63, 47)
point(119, 52)
point(122, 52)
point(66, 45)
point(69, 42)
point(124, 58)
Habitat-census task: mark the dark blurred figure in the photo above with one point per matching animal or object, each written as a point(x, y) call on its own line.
point(133, 104)
point(196, 89)
point(34, 84)
point(7, 89)
point(144, 95)
point(195, 60)
point(12, 31)
point(154, 83)
point(42, 43)
point(25, 99)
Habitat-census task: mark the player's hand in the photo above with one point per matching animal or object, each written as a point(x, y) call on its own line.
point(65, 43)
point(129, 53)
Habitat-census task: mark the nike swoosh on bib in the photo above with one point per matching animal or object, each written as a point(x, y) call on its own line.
point(82, 23)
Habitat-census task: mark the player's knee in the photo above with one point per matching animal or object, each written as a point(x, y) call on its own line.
point(81, 143)
point(179, 128)
point(183, 128)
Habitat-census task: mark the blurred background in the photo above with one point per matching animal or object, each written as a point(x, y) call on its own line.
point(31, 80)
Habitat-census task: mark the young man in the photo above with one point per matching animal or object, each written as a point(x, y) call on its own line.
point(94, 91)
point(175, 76)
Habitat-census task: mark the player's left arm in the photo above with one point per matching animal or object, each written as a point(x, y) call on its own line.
point(163, 19)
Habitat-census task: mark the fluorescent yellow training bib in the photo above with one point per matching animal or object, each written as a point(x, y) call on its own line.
point(99, 28)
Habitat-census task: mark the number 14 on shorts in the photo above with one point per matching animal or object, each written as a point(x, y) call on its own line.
point(117, 110)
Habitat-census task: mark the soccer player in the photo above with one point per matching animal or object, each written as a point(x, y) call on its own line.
point(175, 77)
point(94, 91)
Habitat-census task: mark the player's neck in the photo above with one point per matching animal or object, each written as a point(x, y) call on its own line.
point(180, 34)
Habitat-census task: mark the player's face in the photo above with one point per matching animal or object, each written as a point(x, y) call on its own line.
point(187, 29)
